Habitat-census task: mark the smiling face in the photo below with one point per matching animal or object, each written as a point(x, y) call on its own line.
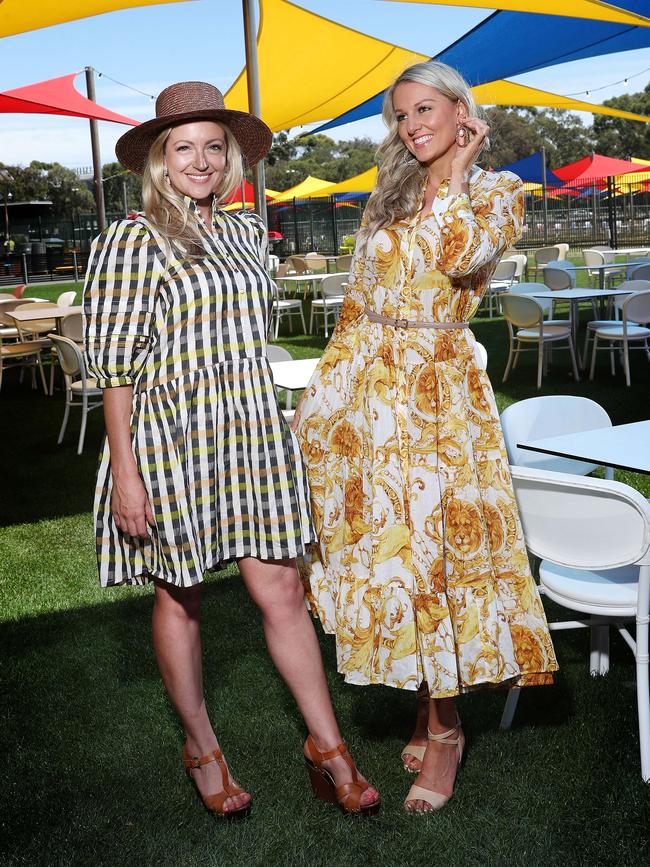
point(427, 121)
point(195, 158)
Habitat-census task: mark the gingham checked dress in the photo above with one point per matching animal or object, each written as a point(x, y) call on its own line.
point(221, 467)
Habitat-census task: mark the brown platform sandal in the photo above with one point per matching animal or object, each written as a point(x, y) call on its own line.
point(435, 799)
point(214, 803)
point(347, 795)
point(411, 749)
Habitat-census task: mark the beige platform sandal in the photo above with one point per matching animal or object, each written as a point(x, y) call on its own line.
point(436, 799)
point(411, 749)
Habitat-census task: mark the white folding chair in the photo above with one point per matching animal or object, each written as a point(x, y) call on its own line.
point(593, 538)
point(77, 385)
point(548, 416)
point(66, 299)
point(617, 306)
point(330, 301)
point(288, 307)
point(543, 256)
point(526, 315)
point(501, 281)
point(635, 314)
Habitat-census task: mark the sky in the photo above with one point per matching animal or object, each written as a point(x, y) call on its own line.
point(151, 47)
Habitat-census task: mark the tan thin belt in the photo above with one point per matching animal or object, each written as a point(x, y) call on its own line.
point(407, 323)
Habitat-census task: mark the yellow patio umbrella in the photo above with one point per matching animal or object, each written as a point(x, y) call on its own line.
point(16, 16)
point(595, 10)
point(311, 186)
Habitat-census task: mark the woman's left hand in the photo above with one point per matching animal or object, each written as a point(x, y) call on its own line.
point(476, 131)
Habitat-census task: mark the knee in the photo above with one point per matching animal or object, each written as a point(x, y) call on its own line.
point(182, 603)
point(284, 596)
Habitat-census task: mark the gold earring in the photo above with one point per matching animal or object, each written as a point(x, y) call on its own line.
point(460, 135)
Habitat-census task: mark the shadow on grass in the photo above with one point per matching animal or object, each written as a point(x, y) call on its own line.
point(92, 754)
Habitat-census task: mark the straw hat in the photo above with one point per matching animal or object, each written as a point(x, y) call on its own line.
point(182, 103)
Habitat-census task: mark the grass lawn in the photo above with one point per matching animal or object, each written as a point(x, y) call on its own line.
point(92, 772)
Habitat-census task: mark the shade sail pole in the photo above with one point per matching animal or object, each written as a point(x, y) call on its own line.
point(97, 160)
point(542, 152)
point(253, 82)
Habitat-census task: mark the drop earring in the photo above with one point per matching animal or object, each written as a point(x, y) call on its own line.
point(166, 176)
point(461, 139)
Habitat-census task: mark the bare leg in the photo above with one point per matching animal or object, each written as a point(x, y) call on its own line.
point(177, 643)
point(440, 763)
point(276, 589)
point(419, 736)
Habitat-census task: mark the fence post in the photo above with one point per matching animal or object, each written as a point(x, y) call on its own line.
point(334, 232)
point(74, 265)
point(24, 267)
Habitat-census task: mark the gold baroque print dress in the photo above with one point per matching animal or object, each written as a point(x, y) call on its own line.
point(421, 570)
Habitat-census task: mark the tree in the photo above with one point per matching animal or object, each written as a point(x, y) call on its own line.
point(512, 137)
point(50, 182)
point(520, 131)
point(621, 138)
point(115, 177)
point(290, 162)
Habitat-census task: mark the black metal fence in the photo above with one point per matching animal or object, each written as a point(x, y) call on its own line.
point(609, 212)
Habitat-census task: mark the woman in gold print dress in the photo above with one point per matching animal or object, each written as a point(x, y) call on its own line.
point(421, 569)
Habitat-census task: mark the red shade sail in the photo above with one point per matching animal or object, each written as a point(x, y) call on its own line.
point(592, 168)
point(249, 194)
point(57, 96)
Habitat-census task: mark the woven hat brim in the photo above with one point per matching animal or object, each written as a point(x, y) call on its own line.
point(253, 135)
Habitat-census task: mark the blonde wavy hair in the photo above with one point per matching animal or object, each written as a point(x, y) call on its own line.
point(166, 209)
point(398, 191)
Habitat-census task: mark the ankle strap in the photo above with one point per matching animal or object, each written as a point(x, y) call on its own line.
point(446, 737)
point(199, 761)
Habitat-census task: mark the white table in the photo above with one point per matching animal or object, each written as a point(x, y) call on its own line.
point(602, 269)
point(574, 297)
point(293, 375)
point(314, 279)
point(624, 446)
point(25, 313)
point(632, 251)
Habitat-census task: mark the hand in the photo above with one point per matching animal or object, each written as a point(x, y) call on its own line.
point(130, 505)
point(476, 131)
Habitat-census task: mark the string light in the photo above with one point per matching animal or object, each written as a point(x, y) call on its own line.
point(122, 84)
point(624, 81)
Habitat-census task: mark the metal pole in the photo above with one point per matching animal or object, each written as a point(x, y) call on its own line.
point(253, 81)
point(611, 219)
point(125, 198)
point(97, 160)
point(542, 152)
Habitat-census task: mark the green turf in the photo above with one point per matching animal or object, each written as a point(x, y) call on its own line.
point(92, 774)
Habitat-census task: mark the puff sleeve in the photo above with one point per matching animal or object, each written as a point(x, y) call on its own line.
point(124, 272)
point(475, 231)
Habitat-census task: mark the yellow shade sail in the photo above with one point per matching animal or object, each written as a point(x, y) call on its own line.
point(305, 189)
point(510, 93)
point(592, 9)
point(311, 68)
point(16, 16)
point(363, 183)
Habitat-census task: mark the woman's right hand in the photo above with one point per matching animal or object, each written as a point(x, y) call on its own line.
point(130, 505)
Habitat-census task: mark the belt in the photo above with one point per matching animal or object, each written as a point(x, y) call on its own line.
point(407, 323)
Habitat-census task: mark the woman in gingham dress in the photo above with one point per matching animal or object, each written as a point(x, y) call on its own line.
point(199, 466)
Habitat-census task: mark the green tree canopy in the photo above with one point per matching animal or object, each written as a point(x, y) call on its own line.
point(50, 182)
point(621, 138)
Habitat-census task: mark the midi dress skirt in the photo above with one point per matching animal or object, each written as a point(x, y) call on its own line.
point(222, 470)
point(421, 570)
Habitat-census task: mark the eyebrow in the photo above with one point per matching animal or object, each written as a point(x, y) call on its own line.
point(209, 141)
point(426, 99)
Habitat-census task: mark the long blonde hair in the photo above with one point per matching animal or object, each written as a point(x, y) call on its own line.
point(400, 179)
point(166, 209)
